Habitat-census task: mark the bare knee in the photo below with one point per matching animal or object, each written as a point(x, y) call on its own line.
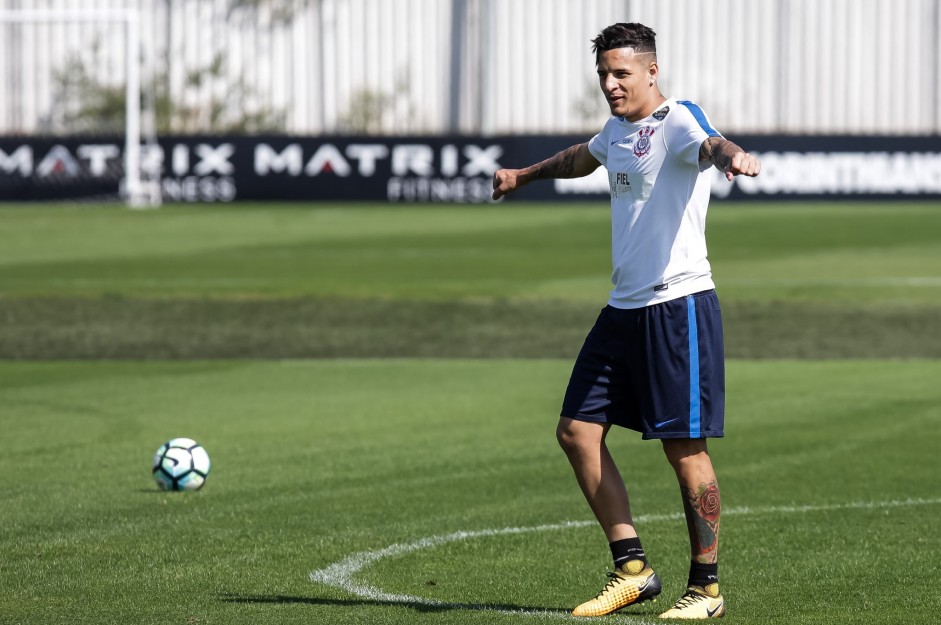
point(568, 439)
point(685, 452)
point(576, 437)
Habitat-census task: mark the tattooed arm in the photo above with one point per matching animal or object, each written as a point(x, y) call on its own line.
point(574, 162)
point(729, 158)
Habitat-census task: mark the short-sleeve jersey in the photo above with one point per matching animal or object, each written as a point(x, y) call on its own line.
point(659, 197)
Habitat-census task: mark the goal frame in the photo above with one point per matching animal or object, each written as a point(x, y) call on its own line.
point(136, 195)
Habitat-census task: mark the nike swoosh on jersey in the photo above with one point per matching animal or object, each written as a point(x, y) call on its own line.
point(660, 424)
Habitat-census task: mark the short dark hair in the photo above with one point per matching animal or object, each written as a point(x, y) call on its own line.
point(625, 35)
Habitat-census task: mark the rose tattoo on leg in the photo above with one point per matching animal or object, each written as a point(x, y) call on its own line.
point(702, 506)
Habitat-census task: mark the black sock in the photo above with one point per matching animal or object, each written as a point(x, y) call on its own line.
point(703, 574)
point(626, 550)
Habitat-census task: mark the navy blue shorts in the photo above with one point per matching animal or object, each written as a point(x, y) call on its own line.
point(659, 370)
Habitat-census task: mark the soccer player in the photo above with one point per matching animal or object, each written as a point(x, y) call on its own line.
point(654, 360)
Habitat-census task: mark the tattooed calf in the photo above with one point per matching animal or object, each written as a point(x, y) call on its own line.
point(702, 519)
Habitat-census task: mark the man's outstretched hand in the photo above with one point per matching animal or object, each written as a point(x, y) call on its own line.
point(505, 181)
point(729, 158)
point(743, 164)
point(573, 162)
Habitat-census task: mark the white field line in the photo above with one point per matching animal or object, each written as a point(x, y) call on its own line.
point(341, 574)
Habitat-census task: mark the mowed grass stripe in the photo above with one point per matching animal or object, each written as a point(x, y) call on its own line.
point(53, 233)
point(123, 328)
point(316, 460)
point(782, 251)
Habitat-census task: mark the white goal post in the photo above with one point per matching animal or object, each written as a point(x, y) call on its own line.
point(137, 194)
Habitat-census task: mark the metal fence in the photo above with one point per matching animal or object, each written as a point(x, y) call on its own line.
point(864, 67)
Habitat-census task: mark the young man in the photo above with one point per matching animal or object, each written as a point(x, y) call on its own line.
point(654, 360)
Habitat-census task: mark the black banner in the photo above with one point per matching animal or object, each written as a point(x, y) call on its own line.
point(440, 169)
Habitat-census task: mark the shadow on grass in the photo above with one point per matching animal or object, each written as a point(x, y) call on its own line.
point(419, 606)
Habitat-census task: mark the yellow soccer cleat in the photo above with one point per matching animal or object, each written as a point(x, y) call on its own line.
point(698, 602)
point(633, 583)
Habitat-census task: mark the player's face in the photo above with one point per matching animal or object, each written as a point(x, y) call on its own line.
point(625, 79)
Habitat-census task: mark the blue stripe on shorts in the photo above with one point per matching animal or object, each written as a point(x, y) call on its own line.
point(694, 426)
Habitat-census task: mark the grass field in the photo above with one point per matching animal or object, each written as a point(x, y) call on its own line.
point(378, 388)
point(248, 281)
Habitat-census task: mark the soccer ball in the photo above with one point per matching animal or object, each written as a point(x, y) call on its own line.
point(181, 464)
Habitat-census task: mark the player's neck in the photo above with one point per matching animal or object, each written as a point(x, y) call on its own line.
point(655, 102)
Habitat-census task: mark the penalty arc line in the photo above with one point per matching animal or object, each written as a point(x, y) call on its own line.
point(341, 574)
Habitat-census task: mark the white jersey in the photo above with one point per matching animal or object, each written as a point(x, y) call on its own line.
point(659, 197)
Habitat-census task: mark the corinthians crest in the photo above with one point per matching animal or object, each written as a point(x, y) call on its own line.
point(643, 142)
